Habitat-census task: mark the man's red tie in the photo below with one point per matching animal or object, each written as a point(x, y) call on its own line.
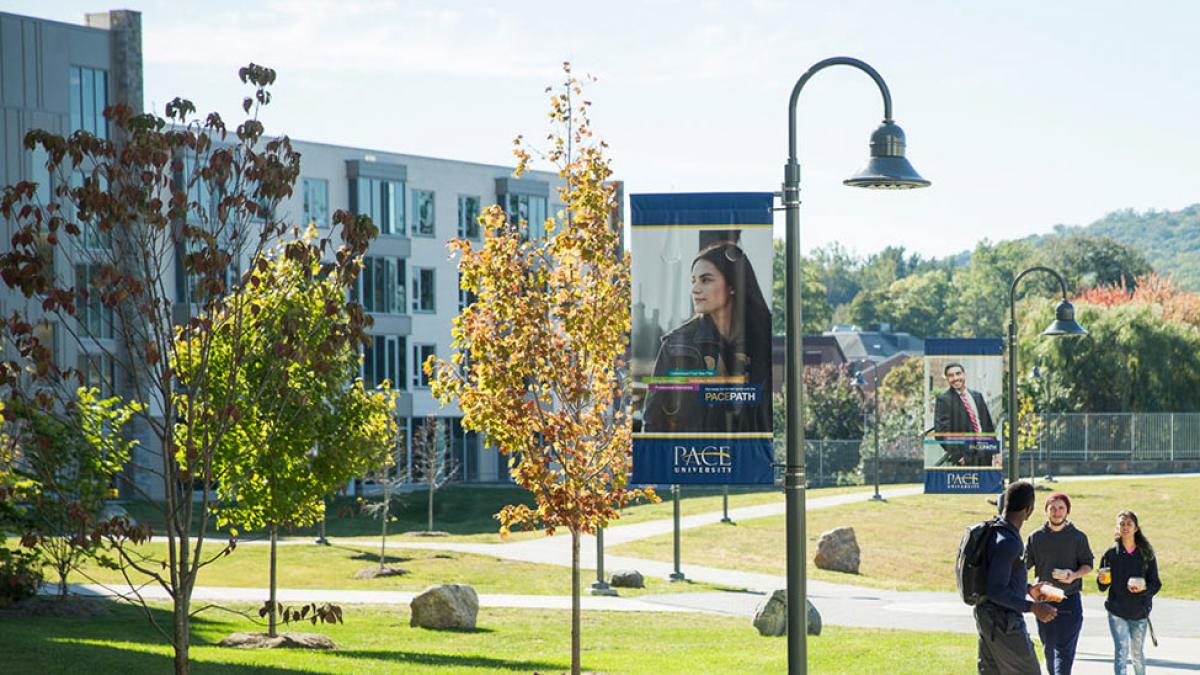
point(970, 411)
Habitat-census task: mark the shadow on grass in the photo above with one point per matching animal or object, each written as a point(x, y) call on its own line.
point(453, 660)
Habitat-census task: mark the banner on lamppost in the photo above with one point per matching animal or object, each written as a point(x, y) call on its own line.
point(964, 384)
point(701, 338)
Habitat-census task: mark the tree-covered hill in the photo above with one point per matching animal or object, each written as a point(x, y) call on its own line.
point(1169, 240)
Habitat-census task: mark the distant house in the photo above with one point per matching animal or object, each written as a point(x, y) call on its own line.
point(873, 351)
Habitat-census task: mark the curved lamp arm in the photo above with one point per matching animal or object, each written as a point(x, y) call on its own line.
point(822, 65)
point(1012, 291)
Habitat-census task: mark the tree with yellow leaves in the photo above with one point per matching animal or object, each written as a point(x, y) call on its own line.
point(538, 360)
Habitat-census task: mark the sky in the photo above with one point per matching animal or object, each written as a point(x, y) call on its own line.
point(1023, 115)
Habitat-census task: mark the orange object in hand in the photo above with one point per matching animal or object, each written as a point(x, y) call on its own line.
point(1053, 594)
point(1105, 575)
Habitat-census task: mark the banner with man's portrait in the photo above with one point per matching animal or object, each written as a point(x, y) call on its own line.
point(701, 338)
point(964, 385)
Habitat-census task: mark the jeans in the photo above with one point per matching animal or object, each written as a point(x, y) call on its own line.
point(1129, 636)
point(1060, 636)
point(1004, 645)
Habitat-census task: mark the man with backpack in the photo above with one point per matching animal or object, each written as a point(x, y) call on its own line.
point(1059, 553)
point(1004, 645)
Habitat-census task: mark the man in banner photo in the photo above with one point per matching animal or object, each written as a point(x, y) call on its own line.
point(964, 380)
point(701, 341)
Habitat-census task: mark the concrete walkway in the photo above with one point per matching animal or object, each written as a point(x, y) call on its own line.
point(1177, 622)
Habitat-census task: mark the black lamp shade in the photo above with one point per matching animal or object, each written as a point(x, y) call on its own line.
point(887, 169)
point(1064, 321)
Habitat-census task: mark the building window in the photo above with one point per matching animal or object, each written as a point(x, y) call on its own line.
point(423, 290)
point(98, 372)
point(95, 319)
point(381, 200)
point(423, 213)
point(420, 354)
point(89, 98)
point(381, 285)
point(465, 297)
point(46, 334)
point(468, 217)
point(383, 360)
point(316, 201)
point(527, 212)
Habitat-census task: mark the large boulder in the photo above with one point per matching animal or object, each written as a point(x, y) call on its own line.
point(627, 579)
point(280, 641)
point(837, 550)
point(445, 606)
point(111, 511)
point(771, 616)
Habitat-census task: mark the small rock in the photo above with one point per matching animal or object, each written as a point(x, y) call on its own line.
point(280, 641)
point(111, 511)
point(837, 550)
point(445, 606)
point(375, 571)
point(426, 533)
point(627, 579)
point(771, 616)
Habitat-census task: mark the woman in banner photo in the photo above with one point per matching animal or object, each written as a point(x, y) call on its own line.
point(1129, 572)
point(727, 341)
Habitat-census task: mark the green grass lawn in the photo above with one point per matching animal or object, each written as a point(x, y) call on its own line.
point(379, 640)
point(910, 543)
point(466, 512)
point(333, 567)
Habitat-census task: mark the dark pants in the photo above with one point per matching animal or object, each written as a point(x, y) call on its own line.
point(1004, 645)
point(1060, 636)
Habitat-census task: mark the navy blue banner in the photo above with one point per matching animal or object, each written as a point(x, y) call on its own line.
point(713, 460)
point(702, 208)
point(992, 346)
point(965, 481)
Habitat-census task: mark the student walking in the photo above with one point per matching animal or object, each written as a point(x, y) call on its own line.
point(1004, 645)
point(1129, 572)
point(1059, 553)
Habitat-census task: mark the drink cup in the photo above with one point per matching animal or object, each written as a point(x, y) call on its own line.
point(1061, 575)
point(1137, 583)
point(1053, 594)
point(1105, 575)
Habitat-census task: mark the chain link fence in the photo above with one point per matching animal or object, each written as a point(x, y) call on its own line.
point(1086, 437)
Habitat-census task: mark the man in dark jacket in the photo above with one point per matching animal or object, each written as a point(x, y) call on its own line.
point(1059, 553)
point(961, 411)
point(1004, 645)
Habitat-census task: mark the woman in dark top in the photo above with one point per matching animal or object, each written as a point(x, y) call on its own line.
point(1131, 582)
point(729, 336)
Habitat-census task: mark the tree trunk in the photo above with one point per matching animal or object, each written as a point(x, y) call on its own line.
point(575, 669)
point(62, 584)
point(387, 505)
point(430, 527)
point(182, 625)
point(272, 618)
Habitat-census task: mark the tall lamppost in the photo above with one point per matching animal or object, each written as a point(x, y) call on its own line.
point(886, 169)
point(1064, 325)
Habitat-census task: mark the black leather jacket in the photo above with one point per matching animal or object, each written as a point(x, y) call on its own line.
point(697, 346)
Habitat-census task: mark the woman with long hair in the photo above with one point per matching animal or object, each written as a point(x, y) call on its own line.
point(1129, 572)
point(728, 337)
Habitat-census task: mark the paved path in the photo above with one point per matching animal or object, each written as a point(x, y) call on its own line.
point(1177, 621)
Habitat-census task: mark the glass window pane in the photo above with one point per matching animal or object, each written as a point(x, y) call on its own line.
point(101, 103)
point(89, 100)
point(76, 98)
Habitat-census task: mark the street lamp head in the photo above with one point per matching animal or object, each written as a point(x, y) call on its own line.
point(1064, 321)
point(887, 169)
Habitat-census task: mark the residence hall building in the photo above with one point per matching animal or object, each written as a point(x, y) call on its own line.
point(60, 77)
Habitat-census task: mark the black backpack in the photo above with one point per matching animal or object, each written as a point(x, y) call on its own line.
point(971, 566)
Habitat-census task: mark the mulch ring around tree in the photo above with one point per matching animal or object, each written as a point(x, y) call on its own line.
point(375, 571)
point(281, 641)
point(71, 606)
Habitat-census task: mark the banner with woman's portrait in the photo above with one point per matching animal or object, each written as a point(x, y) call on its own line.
point(964, 384)
point(701, 338)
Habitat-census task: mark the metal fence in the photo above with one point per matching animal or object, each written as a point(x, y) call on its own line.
point(852, 462)
point(1162, 437)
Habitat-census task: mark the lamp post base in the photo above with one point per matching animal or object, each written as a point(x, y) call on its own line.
point(322, 541)
point(602, 588)
point(677, 576)
point(877, 498)
point(728, 521)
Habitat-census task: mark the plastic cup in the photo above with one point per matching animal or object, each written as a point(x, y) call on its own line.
point(1105, 575)
point(1061, 575)
point(1137, 583)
